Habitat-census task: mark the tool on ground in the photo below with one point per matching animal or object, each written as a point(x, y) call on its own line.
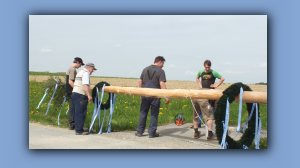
point(179, 119)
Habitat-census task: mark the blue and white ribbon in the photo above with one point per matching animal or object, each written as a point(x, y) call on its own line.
point(240, 110)
point(52, 96)
point(96, 102)
point(102, 122)
point(245, 147)
point(253, 105)
point(257, 129)
point(42, 98)
point(98, 110)
point(65, 97)
point(224, 144)
point(67, 111)
point(112, 108)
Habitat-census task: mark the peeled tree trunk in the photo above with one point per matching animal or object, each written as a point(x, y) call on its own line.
point(212, 94)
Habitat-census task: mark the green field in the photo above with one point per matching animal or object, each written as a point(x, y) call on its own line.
point(126, 113)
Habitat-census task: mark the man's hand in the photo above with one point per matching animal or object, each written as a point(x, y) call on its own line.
point(86, 90)
point(167, 100)
point(213, 86)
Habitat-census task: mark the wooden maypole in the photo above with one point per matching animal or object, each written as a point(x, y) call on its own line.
point(212, 94)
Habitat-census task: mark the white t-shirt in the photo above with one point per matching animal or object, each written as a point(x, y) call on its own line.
point(86, 77)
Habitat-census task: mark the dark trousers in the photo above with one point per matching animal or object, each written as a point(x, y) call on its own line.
point(145, 105)
point(80, 103)
point(71, 111)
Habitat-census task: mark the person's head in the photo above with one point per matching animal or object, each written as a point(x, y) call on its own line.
point(90, 67)
point(207, 65)
point(159, 61)
point(78, 62)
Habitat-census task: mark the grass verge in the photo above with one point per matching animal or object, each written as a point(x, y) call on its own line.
point(126, 113)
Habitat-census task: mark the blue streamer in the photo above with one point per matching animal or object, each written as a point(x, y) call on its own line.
point(245, 147)
point(42, 98)
point(253, 105)
point(112, 108)
point(224, 144)
point(95, 108)
point(257, 129)
point(61, 108)
point(98, 110)
point(67, 111)
point(240, 110)
point(52, 96)
point(102, 122)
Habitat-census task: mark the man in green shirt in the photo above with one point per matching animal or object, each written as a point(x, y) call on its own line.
point(208, 77)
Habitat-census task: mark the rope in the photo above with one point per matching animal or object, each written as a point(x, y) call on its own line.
point(198, 114)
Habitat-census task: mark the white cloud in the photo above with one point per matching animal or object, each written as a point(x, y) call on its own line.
point(263, 65)
point(118, 45)
point(233, 72)
point(172, 66)
point(227, 63)
point(190, 73)
point(45, 50)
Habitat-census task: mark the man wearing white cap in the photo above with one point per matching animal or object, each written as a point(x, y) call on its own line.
point(81, 96)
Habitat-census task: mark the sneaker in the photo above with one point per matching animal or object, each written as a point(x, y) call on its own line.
point(71, 128)
point(154, 135)
point(137, 134)
point(197, 134)
point(211, 137)
point(82, 133)
point(85, 129)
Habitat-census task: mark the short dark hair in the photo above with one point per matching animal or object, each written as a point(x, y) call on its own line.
point(207, 62)
point(77, 59)
point(159, 58)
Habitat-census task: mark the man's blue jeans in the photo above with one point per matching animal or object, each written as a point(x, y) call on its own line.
point(145, 105)
point(80, 103)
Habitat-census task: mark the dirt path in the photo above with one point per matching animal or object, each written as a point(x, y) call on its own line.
point(171, 137)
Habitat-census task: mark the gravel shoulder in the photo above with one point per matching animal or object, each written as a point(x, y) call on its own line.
point(171, 137)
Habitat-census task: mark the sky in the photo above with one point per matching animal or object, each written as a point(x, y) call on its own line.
point(123, 45)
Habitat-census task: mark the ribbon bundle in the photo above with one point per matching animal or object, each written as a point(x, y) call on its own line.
point(97, 110)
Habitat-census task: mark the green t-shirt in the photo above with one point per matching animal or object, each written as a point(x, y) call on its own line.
point(208, 78)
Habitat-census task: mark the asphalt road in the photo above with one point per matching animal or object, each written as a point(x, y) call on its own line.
point(171, 137)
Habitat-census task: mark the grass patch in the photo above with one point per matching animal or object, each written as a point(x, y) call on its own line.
point(126, 113)
point(262, 144)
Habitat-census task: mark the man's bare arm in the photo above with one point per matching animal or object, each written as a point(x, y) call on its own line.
point(87, 91)
point(219, 83)
point(140, 85)
point(163, 86)
point(198, 81)
point(71, 83)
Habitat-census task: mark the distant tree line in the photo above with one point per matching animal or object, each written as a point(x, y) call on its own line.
point(261, 83)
